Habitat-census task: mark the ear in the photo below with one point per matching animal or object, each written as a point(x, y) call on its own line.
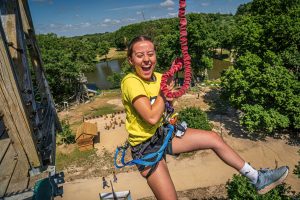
point(130, 61)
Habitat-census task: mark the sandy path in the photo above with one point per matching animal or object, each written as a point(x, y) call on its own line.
point(205, 169)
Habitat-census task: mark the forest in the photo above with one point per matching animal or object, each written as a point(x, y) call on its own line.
point(263, 36)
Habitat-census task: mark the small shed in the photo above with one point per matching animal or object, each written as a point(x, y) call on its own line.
point(86, 135)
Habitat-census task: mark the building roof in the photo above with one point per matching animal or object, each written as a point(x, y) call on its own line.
point(87, 128)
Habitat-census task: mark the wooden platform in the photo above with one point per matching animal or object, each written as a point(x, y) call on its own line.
point(13, 176)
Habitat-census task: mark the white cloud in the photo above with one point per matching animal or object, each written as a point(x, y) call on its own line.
point(167, 3)
point(129, 20)
point(111, 22)
point(107, 20)
point(116, 21)
point(85, 24)
point(172, 14)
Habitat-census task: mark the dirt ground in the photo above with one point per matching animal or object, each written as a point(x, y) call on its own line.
point(199, 176)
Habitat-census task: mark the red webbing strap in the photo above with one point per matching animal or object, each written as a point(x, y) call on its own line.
point(178, 63)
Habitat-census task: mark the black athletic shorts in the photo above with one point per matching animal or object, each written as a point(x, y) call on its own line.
point(151, 145)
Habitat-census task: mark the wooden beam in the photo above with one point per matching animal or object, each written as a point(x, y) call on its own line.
point(7, 167)
point(35, 57)
point(12, 106)
point(19, 180)
point(44, 90)
point(4, 144)
point(15, 36)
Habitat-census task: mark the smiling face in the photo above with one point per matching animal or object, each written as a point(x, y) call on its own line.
point(143, 58)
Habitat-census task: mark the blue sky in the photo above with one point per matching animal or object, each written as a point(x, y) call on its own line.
point(80, 17)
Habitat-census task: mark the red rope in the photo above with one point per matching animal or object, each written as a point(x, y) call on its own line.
point(178, 63)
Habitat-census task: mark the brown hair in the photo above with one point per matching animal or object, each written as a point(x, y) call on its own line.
point(135, 40)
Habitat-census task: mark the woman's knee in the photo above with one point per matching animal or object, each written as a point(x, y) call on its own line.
point(216, 138)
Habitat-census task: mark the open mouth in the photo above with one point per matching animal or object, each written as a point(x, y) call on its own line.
point(146, 68)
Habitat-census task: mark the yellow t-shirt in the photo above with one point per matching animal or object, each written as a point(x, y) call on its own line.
point(133, 86)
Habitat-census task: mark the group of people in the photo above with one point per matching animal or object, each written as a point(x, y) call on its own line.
point(104, 181)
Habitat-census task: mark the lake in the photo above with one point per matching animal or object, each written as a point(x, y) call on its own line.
point(98, 78)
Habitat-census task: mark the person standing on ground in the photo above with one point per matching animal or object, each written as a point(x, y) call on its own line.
point(144, 106)
point(115, 177)
point(104, 183)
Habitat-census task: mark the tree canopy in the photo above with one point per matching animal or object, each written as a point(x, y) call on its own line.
point(264, 82)
point(65, 58)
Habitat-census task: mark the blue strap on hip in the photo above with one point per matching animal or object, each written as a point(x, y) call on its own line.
point(143, 161)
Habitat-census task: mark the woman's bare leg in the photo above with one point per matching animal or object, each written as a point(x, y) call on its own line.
point(195, 139)
point(160, 182)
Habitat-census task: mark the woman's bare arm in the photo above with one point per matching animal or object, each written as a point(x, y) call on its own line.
point(150, 113)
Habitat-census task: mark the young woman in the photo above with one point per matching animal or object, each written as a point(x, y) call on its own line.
point(145, 104)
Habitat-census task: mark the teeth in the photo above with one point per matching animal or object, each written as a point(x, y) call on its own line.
point(146, 68)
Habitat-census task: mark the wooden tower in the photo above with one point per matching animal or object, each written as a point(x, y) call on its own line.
point(28, 119)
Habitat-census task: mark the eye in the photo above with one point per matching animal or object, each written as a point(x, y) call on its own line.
point(151, 53)
point(139, 55)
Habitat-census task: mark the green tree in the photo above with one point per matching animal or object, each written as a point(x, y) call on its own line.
point(103, 49)
point(66, 136)
point(60, 70)
point(168, 48)
point(266, 93)
point(64, 59)
point(271, 25)
point(120, 43)
point(264, 82)
point(195, 118)
point(243, 9)
point(115, 79)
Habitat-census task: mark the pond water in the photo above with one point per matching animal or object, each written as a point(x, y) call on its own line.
point(98, 78)
point(218, 67)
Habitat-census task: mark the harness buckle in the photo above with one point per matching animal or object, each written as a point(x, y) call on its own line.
point(180, 129)
point(173, 119)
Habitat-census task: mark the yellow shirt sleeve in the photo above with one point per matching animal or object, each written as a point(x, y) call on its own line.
point(132, 87)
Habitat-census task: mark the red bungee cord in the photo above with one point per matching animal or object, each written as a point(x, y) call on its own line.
point(178, 63)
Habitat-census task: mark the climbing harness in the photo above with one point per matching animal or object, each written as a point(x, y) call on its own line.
point(157, 156)
point(170, 126)
point(169, 122)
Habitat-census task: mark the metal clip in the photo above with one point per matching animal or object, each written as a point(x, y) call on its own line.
point(180, 129)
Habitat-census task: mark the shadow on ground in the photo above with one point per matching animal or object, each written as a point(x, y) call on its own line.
point(217, 192)
point(228, 118)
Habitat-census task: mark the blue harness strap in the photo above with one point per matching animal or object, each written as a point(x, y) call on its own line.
point(143, 161)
